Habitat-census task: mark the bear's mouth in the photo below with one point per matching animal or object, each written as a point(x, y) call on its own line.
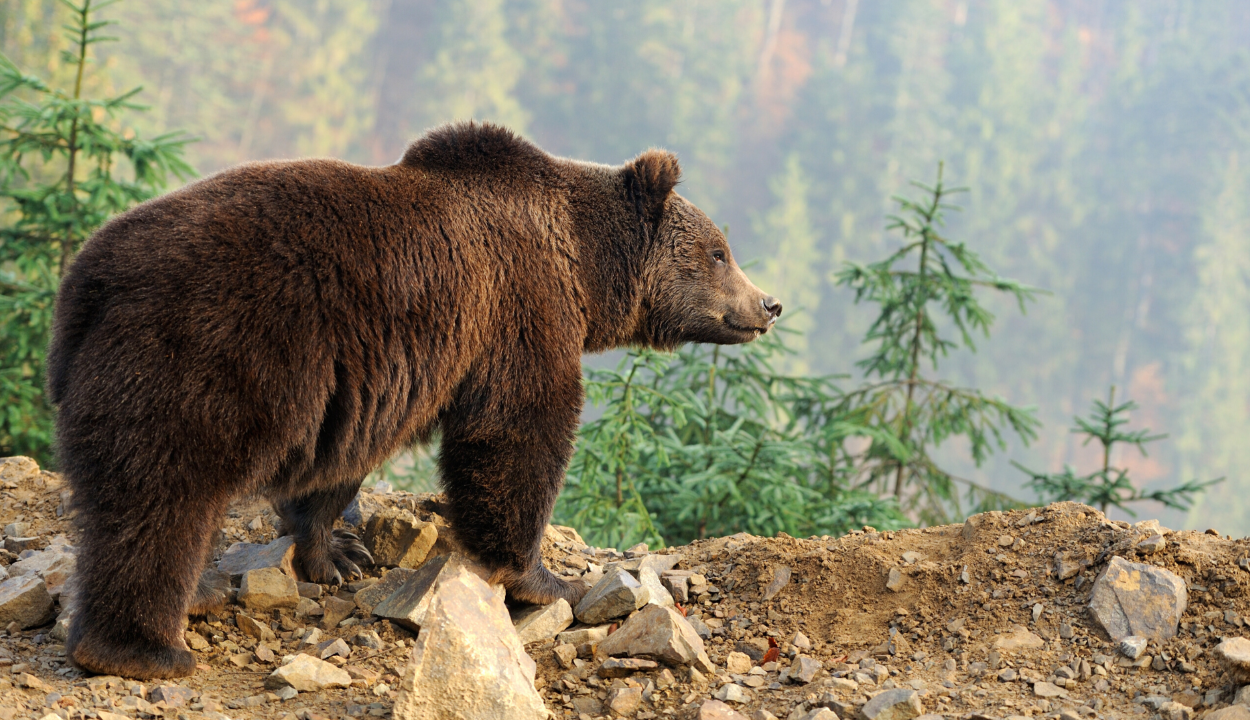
point(745, 329)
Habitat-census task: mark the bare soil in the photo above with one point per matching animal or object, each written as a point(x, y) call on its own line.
point(959, 589)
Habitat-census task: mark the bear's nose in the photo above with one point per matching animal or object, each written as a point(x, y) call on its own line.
point(772, 306)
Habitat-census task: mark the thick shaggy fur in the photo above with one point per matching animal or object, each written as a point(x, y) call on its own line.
point(283, 327)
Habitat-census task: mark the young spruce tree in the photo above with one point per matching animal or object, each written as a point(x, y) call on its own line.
point(1109, 486)
point(929, 282)
point(67, 164)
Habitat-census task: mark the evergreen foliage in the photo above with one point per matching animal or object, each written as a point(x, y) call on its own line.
point(711, 441)
point(1110, 486)
point(67, 164)
point(928, 281)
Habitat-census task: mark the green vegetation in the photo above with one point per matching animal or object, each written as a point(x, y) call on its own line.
point(67, 164)
point(1109, 486)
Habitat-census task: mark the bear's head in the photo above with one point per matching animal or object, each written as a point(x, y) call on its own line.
point(692, 290)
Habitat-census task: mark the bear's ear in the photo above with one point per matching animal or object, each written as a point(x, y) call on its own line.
point(650, 178)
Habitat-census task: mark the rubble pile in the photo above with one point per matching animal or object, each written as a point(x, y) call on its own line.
point(1056, 612)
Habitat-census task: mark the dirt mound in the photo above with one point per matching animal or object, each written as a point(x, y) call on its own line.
point(973, 617)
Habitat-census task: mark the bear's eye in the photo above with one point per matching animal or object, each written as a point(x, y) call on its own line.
point(718, 256)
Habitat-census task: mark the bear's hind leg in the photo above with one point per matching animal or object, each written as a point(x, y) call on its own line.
point(327, 555)
point(140, 555)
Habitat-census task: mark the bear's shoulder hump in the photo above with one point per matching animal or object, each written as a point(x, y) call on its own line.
point(472, 146)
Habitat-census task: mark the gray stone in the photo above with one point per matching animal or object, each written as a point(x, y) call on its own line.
point(362, 508)
point(894, 582)
point(658, 563)
point(544, 621)
point(312, 591)
point(565, 654)
point(25, 600)
point(336, 611)
point(60, 629)
point(624, 667)
point(330, 648)
point(1151, 545)
point(616, 595)
point(22, 544)
point(1048, 690)
point(1067, 565)
point(1242, 697)
point(174, 696)
point(657, 594)
point(241, 557)
point(1234, 655)
point(801, 641)
point(658, 633)
point(717, 710)
point(1136, 599)
point(821, 713)
point(398, 538)
point(678, 587)
point(1133, 646)
point(253, 628)
point(408, 604)
point(286, 693)
point(624, 702)
point(734, 693)
point(781, 577)
point(307, 607)
point(804, 669)
point(898, 704)
point(583, 635)
point(737, 663)
point(1018, 639)
point(467, 660)
point(369, 598)
point(268, 589)
point(308, 674)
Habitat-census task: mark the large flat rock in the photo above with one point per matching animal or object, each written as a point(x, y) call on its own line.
point(241, 557)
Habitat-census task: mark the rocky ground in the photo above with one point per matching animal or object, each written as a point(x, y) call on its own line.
point(1055, 612)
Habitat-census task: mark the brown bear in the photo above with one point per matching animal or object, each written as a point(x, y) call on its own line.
point(281, 328)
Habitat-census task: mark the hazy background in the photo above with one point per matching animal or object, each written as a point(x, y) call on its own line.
point(1101, 141)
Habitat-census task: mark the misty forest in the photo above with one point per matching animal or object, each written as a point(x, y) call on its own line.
point(1012, 236)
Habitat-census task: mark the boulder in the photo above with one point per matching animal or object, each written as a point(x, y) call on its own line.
point(624, 702)
point(253, 628)
point(544, 621)
point(734, 693)
point(616, 595)
point(241, 557)
point(308, 674)
point(25, 600)
point(396, 538)
point(467, 660)
point(658, 633)
point(1136, 599)
point(268, 589)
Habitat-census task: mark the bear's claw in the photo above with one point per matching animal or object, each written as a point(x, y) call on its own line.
point(339, 562)
point(211, 593)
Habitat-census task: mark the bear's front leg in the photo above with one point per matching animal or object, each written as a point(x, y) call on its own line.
point(503, 461)
point(326, 555)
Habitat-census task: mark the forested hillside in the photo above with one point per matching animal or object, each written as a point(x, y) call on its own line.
point(1101, 141)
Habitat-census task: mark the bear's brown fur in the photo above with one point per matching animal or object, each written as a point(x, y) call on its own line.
point(283, 327)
